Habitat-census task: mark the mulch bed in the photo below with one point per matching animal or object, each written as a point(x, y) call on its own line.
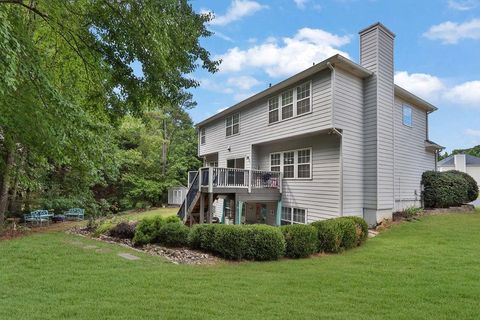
point(174, 255)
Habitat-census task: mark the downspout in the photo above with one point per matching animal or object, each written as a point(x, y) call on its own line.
point(335, 130)
point(340, 134)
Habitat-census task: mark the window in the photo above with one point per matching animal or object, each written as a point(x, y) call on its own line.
point(233, 124)
point(407, 116)
point(293, 215)
point(303, 98)
point(202, 136)
point(304, 163)
point(275, 162)
point(289, 164)
point(294, 163)
point(294, 102)
point(273, 110)
point(287, 104)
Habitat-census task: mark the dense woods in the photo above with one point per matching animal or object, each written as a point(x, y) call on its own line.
point(79, 125)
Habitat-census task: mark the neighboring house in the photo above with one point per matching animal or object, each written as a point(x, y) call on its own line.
point(462, 162)
point(336, 139)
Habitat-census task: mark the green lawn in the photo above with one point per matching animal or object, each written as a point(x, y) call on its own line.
point(133, 216)
point(428, 269)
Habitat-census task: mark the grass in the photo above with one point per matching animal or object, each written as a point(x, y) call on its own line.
point(426, 269)
point(137, 215)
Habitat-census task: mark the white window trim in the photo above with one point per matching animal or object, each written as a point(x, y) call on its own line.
point(406, 106)
point(291, 215)
point(280, 105)
point(295, 163)
point(231, 116)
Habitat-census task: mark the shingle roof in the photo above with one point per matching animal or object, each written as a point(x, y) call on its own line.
point(470, 160)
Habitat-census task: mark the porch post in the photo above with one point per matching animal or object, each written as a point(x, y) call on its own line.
point(238, 215)
point(210, 207)
point(202, 207)
point(279, 213)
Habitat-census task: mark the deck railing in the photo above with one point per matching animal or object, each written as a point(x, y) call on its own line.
point(214, 177)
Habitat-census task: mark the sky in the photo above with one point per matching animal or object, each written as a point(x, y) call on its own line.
point(437, 52)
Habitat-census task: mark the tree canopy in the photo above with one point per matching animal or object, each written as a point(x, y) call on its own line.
point(72, 95)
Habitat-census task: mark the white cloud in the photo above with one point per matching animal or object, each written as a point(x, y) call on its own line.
point(287, 57)
point(243, 82)
point(300, 3)
point(211, 85)
point(472, 133)
point(237, 10)
point(451, 32)
point(424, 85)
point(220, 110)
point(467, 93)
point(462, 5)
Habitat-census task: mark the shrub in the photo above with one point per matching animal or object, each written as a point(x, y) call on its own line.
point(412, 211)
point(202, 236)
point(173, 234)
point(336, 235)
point(301, 240)
point(147, 230)
point(444, 189)
point(264, 242)
point(361, 229)
point(102, 228)
point(123, 230)
point(236, 242)
point(472, 189)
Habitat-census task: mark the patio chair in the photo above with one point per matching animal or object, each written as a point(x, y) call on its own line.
point(37, 217)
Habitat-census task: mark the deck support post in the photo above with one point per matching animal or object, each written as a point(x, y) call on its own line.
point(238, 213)
point(202, 207)
point(278, 217)
point(210, 207)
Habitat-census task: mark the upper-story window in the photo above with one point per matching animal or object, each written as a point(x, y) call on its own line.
point(291, 103)
point(202, 136)
point(273, 110)
point(407, 115)
point(295, 164)
point(303, 98)
point(232, 124)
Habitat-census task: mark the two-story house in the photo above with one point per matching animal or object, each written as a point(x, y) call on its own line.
point(337, 139)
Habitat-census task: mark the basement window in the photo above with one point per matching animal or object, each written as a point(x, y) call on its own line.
point(293, 216)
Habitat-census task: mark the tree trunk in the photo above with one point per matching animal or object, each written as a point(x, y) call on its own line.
point(6, 182)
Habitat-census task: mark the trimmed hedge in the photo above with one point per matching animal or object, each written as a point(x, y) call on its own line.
point(472, 191)
point(173, 234)
point(201, 237)
point(236, 242)
point(147, 230)
point(444, 189)
point(336, 235)
point(301, 240)
point(361, 229)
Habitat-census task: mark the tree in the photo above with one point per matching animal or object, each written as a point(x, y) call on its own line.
point(67, 79)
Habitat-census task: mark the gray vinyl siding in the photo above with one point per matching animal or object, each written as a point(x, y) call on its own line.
point(321, 194)
point(254, 126)
point(411, 158)
point(348, 116)
point(368, 59)
point(385, 122)
point(377, 55)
